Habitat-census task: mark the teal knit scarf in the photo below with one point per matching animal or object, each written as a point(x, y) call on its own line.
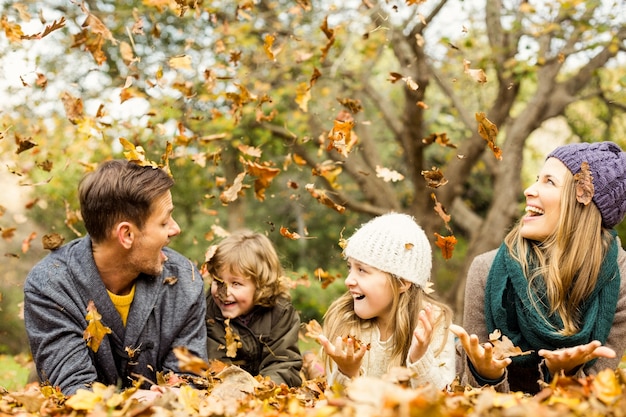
point(509, 309)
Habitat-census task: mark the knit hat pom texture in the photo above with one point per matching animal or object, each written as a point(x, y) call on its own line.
point(393, 243)
point(607, 163)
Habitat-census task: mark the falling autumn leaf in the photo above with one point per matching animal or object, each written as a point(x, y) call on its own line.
point(324, 277)
point(488, 131)
point(73, 107)
point(95, 331)
point(341, 137)
point(320, 195)
point(289, 235)
point(446, 244)
point(584, 184)
point(263, 174)
point(231, 193)
point(477, 75)
point(52, 241)
point(313, 329)
point(387, 174)
point(441, 212)
point(189, 362)
point(434, 178)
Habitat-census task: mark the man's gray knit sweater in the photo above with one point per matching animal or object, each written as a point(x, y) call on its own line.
point(167, 311)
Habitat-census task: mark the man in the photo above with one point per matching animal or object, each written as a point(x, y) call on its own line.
point(150, 298)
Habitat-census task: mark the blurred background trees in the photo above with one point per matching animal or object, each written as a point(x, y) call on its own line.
point(307, 115)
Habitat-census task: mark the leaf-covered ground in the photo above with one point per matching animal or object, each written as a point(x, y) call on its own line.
point(233, 392)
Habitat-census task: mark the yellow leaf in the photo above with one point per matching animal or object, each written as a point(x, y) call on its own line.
point(95, 331)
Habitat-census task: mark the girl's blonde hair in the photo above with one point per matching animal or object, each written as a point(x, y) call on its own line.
point(340, 319)
point(253, 256)
point(569, 259)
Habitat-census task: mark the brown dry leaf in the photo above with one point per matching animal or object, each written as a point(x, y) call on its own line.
point(95, 331)
point(48, 30)
point(313, 329)
point(488, 131)
point(230, 194)
point(171, 280)
point(503, 347)
point(584, 184)
point(188, 362)
point(477, 75)
point(441, 211)
point(446, 244)
point(434, 178)
point(73, 107)
point(353, 105)
point(357, 342)
point(233, 341)
point(439, 138)
point(52, 241)
point(330, 35)
point(23, 144)
point(320, 195)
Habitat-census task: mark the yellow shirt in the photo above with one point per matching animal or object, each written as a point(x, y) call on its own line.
point(122, 303)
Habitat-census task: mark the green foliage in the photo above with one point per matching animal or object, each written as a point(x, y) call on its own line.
point(313, 301)
point(13, 372)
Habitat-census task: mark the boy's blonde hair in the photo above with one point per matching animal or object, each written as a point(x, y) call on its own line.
point(253, 256)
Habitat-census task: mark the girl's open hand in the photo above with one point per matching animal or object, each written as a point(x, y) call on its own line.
point(481, 355)
point(348, 359)
point(422, 335)
point(569, 358)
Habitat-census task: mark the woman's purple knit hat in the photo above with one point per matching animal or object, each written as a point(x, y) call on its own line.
point(607, 163)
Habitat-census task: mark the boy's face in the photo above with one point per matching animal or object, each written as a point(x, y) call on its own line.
point(233, 293)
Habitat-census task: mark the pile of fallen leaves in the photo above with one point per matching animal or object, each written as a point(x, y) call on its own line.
point(233, 392)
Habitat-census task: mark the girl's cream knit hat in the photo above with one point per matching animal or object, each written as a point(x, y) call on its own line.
point(393, 243)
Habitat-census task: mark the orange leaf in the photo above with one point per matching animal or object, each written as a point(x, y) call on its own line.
point(503, 347)
point(95, 331)
point(446, 244)
point(233, 341)
point(290, 235)
point(189, 362)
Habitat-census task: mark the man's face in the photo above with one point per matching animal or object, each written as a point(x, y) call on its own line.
point(147, 251)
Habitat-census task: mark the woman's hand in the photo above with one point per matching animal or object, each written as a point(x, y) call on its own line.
point(422, 335)
point(347, 359)
point(568, 359)
point(481, 355)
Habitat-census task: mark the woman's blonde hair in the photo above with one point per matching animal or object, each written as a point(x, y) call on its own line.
point(253, 256)
point(340, 319)
point(569, 259)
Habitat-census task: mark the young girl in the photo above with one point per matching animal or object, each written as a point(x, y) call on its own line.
point(556, 287)
point(250, 298)
point(387, 309)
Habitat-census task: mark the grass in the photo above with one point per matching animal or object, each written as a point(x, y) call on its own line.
point(13, 372)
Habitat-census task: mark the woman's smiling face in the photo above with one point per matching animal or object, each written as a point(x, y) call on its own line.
point(543, 201)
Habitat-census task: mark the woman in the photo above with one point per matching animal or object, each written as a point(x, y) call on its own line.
point(556, 287)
